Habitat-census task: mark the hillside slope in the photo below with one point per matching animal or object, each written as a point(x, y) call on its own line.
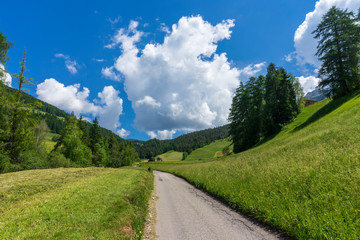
point(305, 181)
point(209, 151)
point(81, 203)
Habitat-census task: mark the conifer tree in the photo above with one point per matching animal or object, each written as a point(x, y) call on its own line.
point(338, 49)
point(85, 138)
point(97, 145)
point(21, 124)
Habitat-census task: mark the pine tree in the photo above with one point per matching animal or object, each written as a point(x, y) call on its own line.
point(85, 132)
point(97, 145)
point(338, 49)
point(21, 124)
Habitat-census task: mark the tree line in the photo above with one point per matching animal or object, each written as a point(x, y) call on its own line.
point(262, 105)
point(24, 129)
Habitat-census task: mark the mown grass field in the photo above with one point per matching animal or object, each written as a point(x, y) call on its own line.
point(171, 156)
point(81, 203)
point(305, 181)
point(209, 151)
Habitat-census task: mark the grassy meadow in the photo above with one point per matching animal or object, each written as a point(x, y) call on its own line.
point(81, 203)
point(209, 151)
point(171, 156)
point(305, 181)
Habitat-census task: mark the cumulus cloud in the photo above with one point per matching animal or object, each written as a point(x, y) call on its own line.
point(123, 133)
point(4, 76)
point(308, 83)
point(108, 106)
point(71, 65)
point(162, 135)
point(109, 73)
point(251, 70)
point(182, 83)
point(305, 44)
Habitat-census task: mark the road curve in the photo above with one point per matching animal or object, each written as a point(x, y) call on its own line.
point(185, 213)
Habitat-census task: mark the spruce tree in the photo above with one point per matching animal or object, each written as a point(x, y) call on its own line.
point(97, 145)
point(338, 49)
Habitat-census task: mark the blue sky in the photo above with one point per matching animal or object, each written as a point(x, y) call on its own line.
point(66, 42)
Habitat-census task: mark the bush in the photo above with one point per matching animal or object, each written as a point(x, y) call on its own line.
point(32, 160)
point(57, 159)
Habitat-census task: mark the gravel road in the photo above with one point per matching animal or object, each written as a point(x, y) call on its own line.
point(184, 212)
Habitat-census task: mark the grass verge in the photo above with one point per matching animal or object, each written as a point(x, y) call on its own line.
point(305, 181)
point(90, 203)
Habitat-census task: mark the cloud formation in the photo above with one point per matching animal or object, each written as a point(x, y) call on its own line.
point(308, 83)
point(304, 42)
point(108, 105)
point(182, 83)
point(161, 135)
point(71, 65)
point(6, 77)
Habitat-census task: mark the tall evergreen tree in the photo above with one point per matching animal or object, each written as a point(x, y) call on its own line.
point(338, 49)
point(85, 138)
point(97, 145)
point(21, 124)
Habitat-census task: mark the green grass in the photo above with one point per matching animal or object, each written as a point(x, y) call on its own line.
point(171, 156)
point(305, 181)
point(209, 151)
point(90, 203)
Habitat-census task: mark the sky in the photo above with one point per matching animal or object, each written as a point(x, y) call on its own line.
point(158, 69)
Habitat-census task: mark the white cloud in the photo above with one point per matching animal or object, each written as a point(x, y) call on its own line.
point(147, 100)
point(108, 106)
point(71, 65)
point(123, 133)
point(70, 98)
point(308, 83)
point(6, 77)
point(251, 70)
point(164, 28)
point(98, 59)
point(161, 135)
point(305, 44)
point(181, 83)
point(109, 73)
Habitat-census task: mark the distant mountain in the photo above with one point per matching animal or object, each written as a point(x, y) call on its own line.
point(316, 95)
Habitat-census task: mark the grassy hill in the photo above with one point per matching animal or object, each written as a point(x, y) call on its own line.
point(171, 156)
point(209, 151)
point(304, 181)
point(82, 203)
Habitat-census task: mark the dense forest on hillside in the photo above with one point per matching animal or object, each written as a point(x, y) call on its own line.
point(185, 143)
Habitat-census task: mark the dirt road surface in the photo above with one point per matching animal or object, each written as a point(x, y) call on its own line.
point(185, 213)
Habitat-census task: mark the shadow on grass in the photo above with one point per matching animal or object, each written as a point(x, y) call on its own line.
point(328, 108)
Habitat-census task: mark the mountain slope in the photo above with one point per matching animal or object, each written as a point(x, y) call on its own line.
point(54, 116)
point(304, 181)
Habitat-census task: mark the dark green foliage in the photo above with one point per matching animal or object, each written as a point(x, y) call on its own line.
point(184, 143)
point(185, 154)
point(262, 106)
point(85, 138)
point(4, 46)
point(71, 146)
point(338, 49)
